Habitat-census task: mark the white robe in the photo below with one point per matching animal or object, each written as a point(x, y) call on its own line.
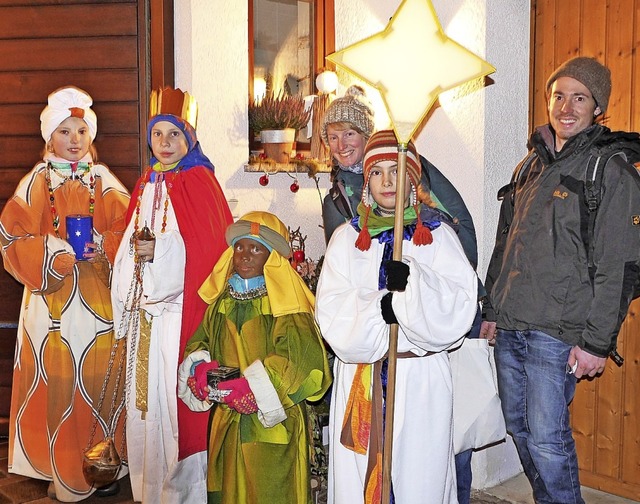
point(157, 477)
point(434, 313)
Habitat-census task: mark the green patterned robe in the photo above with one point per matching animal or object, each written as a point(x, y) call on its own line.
point(249, 463)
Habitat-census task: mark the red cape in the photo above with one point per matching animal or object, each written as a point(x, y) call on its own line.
point(203, 215)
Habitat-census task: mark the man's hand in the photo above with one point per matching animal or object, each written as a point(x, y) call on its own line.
point(488, 331)
point(585, 363)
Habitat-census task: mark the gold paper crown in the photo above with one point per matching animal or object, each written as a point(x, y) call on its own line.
point(175, 102)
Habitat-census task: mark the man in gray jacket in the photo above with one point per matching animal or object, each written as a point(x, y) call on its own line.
point(559, 294)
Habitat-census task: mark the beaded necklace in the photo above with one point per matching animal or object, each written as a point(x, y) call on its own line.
point(247, 295)
point(157, 196)
point(244, 289)
point(58, 169)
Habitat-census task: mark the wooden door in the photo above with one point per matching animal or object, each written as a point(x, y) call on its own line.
point(101, 46)
point(606, 411)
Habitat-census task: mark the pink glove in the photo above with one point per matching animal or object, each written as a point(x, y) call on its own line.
point(240, 398)
point(198, 381)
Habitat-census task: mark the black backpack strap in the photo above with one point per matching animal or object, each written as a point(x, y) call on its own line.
point(518, 174)
point(593, 195)
point(509, 191)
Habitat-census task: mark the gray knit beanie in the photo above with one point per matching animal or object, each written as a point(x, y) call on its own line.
point(352, 108)
point(594, 75)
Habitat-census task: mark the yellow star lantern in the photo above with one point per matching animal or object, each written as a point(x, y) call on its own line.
point(411, 62)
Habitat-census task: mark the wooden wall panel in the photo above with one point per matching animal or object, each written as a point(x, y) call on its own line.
point(593, 28)
point(44, 54)
point(619, 59)
point(582, 424)
point(543, 15)
point(606, 410)
point(568, 45)
point(33, 86)
point(17, 22)
point(630, 404)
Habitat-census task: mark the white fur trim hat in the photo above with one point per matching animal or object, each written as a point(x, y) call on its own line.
point(67, 102)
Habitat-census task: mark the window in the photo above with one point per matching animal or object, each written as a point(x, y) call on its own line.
point(288, 41)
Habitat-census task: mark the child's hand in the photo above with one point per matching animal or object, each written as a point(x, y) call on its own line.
point(145, 250)
point(201, 395)
point(197, 382)
point(63, 264)
point(240, 398)
point(95, 252)
point(187, 390)
point(397, 275)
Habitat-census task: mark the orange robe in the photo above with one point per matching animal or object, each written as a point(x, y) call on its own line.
point(65, 330)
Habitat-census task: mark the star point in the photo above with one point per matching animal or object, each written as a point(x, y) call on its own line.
point(411, 62)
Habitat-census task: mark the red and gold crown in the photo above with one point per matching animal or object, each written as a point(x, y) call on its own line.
point(175, 102)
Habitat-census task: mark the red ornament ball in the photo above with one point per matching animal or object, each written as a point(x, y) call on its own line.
point(294, 187)
point(264, 180)
point(298, 255)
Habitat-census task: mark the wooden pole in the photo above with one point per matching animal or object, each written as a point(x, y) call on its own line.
point(398, 232)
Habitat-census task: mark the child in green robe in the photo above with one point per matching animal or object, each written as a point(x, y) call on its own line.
point(260, 320)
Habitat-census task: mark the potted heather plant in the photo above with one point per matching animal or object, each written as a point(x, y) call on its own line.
point(277, 118)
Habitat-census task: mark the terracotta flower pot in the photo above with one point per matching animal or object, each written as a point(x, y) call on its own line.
point(278, 144)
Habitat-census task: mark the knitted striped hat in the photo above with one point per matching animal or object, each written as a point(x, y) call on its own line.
point(383, 146)
point(353, 108)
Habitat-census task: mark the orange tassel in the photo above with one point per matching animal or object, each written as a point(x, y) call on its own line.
point(364, 238)
point(422, 235)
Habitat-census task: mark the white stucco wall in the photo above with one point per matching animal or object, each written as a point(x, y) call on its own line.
point(475, 140)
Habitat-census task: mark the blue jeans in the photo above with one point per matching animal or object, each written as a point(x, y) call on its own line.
point(535, 390)
point(464, 476)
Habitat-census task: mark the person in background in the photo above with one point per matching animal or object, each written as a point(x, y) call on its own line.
point(65, 329)
point(260, 321)
point(557, 317)
point(347, 125)
point(432, 295)
point(175, 235)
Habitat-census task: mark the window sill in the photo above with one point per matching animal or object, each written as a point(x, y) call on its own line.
point(310, 166)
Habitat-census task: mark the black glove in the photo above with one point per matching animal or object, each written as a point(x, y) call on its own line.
point(397, 274)
point(387, 310)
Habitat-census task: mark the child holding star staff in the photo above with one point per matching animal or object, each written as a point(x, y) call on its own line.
point(431, 294)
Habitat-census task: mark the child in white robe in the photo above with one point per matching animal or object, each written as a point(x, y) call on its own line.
point(432, 295)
